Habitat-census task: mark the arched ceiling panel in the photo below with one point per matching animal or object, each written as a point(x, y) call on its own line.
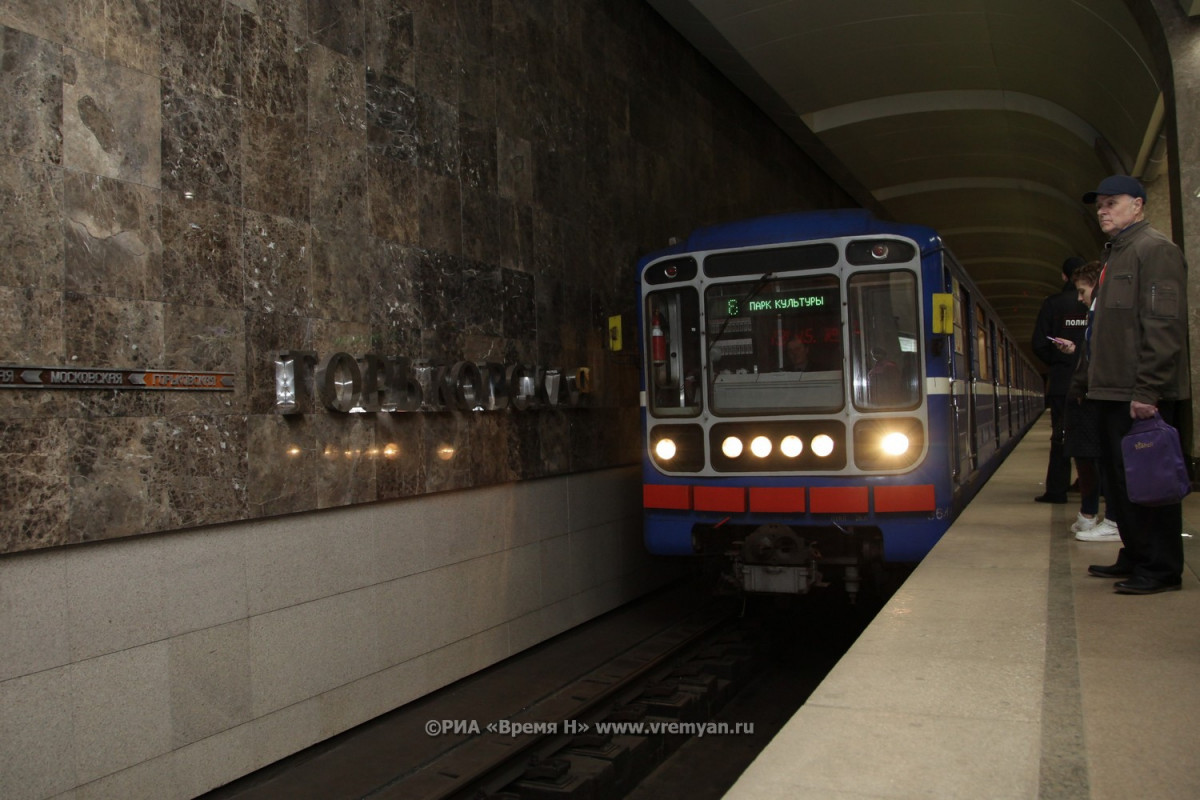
point(986, 119)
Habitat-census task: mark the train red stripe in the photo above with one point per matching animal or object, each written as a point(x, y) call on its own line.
point(719, 498)
point(655, 495)
point(776, 499)
point(905, 498)
point(838, 499)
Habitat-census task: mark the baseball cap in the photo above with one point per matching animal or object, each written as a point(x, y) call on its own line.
point(1117, 184)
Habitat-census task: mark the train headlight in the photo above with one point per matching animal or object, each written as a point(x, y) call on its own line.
point(895, 444)
point(822, 444)
point(665, 449)
point(760, 446)
point(791, 446)
point(731, 447)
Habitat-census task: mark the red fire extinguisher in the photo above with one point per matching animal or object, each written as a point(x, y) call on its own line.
point(658, 342)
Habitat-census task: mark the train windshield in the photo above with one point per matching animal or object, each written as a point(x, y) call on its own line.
point(775, 346)
point(882, 311)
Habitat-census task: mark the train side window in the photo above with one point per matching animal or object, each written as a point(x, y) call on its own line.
point(673, 374)
point(982, 346)
point(884, 347)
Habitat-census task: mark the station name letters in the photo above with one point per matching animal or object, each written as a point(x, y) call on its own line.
point(372, 383)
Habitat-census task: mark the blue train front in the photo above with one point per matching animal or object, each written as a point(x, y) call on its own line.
point(822, 393)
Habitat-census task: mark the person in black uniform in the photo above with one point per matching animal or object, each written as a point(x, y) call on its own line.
point(1062, 317)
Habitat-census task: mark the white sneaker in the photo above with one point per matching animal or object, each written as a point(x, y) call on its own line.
point(1106, 531)
point(1083, 523)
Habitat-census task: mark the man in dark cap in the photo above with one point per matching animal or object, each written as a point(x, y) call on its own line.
point(1062, 317)
point(1137, 367)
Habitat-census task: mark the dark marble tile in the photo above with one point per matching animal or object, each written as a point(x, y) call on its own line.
point(274, 77)
point(437, 290)
point(393, 198)
point(389, 40)
point(112, 332)
point(342, 276)
point(523, 443)
point(448, 447)
point(278, 269)
point(440, 213)
point(520, 309)
point(514, 168)
point(480, 301)
point(483, 214)
point(202, 461)
point(338, 25)
point(31, 327)
point(477, 139)
point(437, 139)
point(391, 107)
point(291, 15)
point(476, 24)
point(276, 173)
point(275, 95)
point(202, 49)
point(396, 316)
point(283, 456)
point(116, 486)
point(477, 85)
point(401, 457)
point(209, 340)
point(202, 145)
point(437, 55)
point(345, 469)
point(124, 31)
point(338, 140)
point(35, 18)
point(112, 120)
point(113, 245)
point(34, 491)
point(31, 198)
point(202, 252)
point(489, 449)
point(31, 119)
point(554, 441)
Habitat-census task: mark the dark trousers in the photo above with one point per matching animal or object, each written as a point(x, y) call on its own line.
point(1153, 546)
point(1058, 471)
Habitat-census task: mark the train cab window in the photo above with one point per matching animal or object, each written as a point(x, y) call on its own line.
point(884, 345)
point(673, 358)
point(775, 346)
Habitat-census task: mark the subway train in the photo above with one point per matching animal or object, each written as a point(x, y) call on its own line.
point(822, 393)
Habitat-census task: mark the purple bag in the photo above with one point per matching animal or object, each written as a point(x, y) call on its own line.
point(1155, 474)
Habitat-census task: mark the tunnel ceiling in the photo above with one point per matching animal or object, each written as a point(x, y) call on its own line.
point(985, 119)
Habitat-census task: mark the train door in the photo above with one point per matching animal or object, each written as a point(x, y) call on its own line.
point(983, 390)
point(1003, 398)
point(960, 382)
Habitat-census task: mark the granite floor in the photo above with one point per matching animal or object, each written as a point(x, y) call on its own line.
point(1002, 670)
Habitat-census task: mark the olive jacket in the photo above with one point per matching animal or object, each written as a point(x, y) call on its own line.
point(1138, 344)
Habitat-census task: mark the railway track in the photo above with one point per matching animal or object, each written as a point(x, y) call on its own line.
point(665, 685)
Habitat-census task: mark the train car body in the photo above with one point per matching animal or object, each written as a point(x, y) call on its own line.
point(822, 394)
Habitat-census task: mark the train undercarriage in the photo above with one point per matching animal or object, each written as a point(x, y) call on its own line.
point(775, 558)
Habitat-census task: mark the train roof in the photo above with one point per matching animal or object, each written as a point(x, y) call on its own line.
point(796, 226)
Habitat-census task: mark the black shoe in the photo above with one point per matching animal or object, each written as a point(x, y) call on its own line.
point(1058, 499)
point(1144, 585)
point(1113, 571)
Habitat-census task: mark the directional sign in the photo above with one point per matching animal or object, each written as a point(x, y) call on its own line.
point(27, 377)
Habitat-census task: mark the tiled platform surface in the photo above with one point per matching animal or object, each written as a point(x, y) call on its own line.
point(1002, 670)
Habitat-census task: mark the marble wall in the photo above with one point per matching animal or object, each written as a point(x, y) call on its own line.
point(198, 185)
